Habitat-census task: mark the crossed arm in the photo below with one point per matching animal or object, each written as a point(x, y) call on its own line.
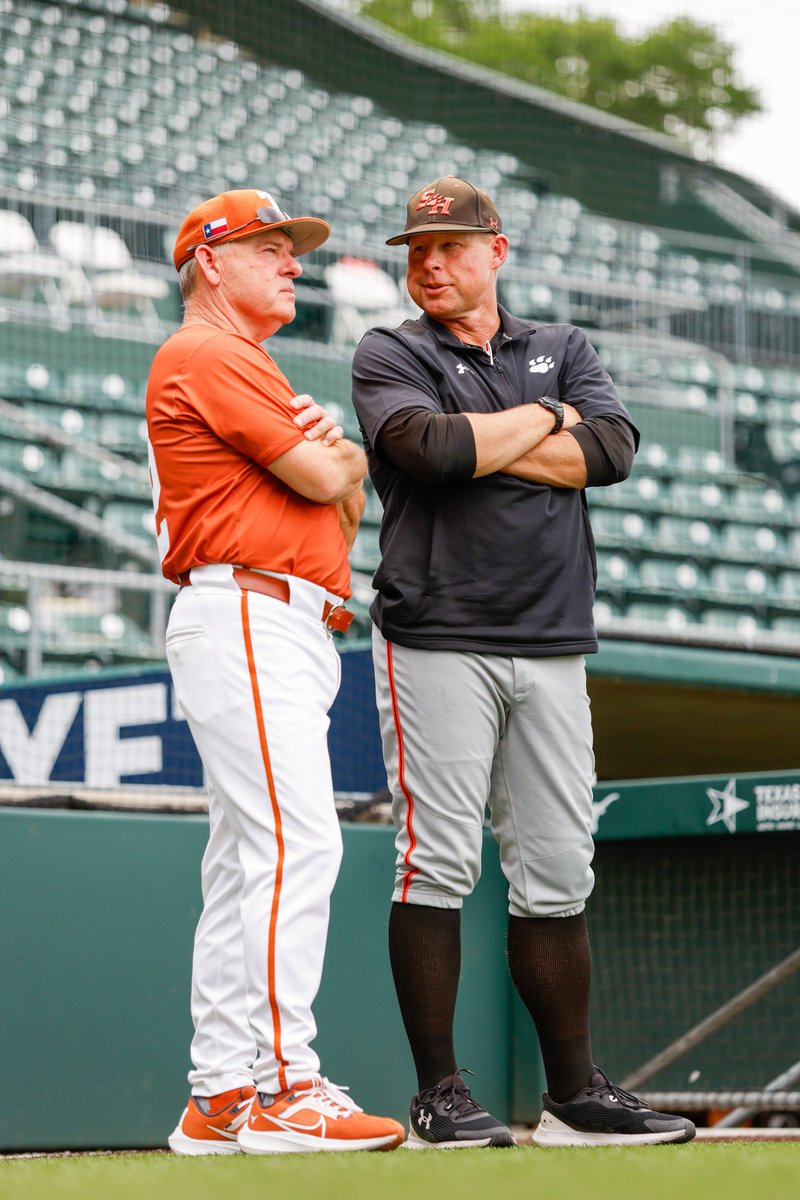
point(325, 467)
point(439, 447)
point(518, 442)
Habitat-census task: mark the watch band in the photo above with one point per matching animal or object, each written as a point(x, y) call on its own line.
point(556, 408)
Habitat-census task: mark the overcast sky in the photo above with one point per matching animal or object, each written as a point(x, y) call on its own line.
point(766, 35)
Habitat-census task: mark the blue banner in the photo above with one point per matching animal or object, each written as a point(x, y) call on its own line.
point(112, 729)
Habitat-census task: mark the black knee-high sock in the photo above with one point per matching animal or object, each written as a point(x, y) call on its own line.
point(425, 953)
point(550, 964)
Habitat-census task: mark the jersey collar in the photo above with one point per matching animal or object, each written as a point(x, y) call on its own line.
point(510, 329)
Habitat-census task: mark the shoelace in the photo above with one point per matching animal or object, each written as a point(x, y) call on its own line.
point(457, 1096)
point(332, 1099)
point(337, 1091)
point(627, 1099)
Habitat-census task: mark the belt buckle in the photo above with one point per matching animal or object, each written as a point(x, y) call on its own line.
point(335, 608)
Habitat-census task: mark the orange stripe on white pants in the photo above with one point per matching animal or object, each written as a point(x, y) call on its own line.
point(255, 680)
point(276, 815)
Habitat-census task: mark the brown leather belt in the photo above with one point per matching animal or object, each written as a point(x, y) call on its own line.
point(334, 616)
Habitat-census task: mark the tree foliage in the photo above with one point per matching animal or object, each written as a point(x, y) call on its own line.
point(677, 79)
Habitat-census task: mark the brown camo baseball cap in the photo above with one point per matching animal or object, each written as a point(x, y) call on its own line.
point(241, 213)
point(449, 203)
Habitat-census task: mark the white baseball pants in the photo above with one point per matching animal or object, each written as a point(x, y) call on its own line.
point(255, 678)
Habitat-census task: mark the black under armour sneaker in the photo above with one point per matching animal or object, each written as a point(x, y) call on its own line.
point(446, 1117)
point(604, 1115)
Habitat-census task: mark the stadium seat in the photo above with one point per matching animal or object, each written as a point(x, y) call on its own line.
point(79, 630)
point(29, 380)
point(30, 274)
point(138, 519)
point(789, 588)
point(29, 460)
point(364, 295)
point(699, 499)
point(656, 616)
point(745, 582)
point(365, 554)
point(373, 509)
point(786, 629)
point(692, 536)
point(744, 626)
point(673, 576)
point(754, 500)
point(617, 528)
point(105, 391)
point(15, 623)
point(616, 573)
point(117, 285)
point(756, 543)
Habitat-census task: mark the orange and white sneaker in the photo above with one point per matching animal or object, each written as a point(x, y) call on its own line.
point(211, 1124)
point(311, 1116)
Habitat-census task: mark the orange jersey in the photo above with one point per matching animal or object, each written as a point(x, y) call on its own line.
point(218, 414)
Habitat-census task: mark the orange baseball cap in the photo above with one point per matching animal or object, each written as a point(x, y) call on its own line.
point(239, 214)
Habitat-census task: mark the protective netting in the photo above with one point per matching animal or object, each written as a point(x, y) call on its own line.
point(679, 928)
point(115, 118)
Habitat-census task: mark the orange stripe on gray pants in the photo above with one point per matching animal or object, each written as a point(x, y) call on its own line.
point(464, 733)
point(401, 777)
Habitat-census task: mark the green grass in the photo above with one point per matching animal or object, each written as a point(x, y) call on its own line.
point(695, 1172)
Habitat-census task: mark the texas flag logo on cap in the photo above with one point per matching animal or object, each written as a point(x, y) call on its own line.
point(213, 229)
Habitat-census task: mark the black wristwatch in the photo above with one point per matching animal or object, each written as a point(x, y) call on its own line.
point(555, 407)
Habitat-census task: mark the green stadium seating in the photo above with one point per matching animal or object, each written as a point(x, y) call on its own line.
point(114, 125)
point(690, 535)
point(743, 626)
point(623, 529)
point(673, 576)
point(740, 582)
point(29, 461)
point(756, 543)
point(137, 519)
point(616, 573)
point(673, 618)
point(789, 588)
point(365, 553)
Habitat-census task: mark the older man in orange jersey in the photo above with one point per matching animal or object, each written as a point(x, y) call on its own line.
point(257, 498)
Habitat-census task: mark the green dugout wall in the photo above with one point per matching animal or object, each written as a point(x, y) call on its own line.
point(698, 893)
point(98, 915)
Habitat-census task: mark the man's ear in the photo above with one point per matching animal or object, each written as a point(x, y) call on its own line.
point(208, 264)
point(499, 250)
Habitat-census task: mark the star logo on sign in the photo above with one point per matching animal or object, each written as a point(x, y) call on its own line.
point(725, 805)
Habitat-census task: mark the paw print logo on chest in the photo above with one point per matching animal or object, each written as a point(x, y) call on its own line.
point(541, 365)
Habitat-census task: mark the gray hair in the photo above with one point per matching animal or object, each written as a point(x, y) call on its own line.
point(187, 276)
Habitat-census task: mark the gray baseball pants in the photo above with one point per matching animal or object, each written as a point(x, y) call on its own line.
point(463, 731)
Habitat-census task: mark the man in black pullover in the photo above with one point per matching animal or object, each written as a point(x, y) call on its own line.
point(482, 432)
